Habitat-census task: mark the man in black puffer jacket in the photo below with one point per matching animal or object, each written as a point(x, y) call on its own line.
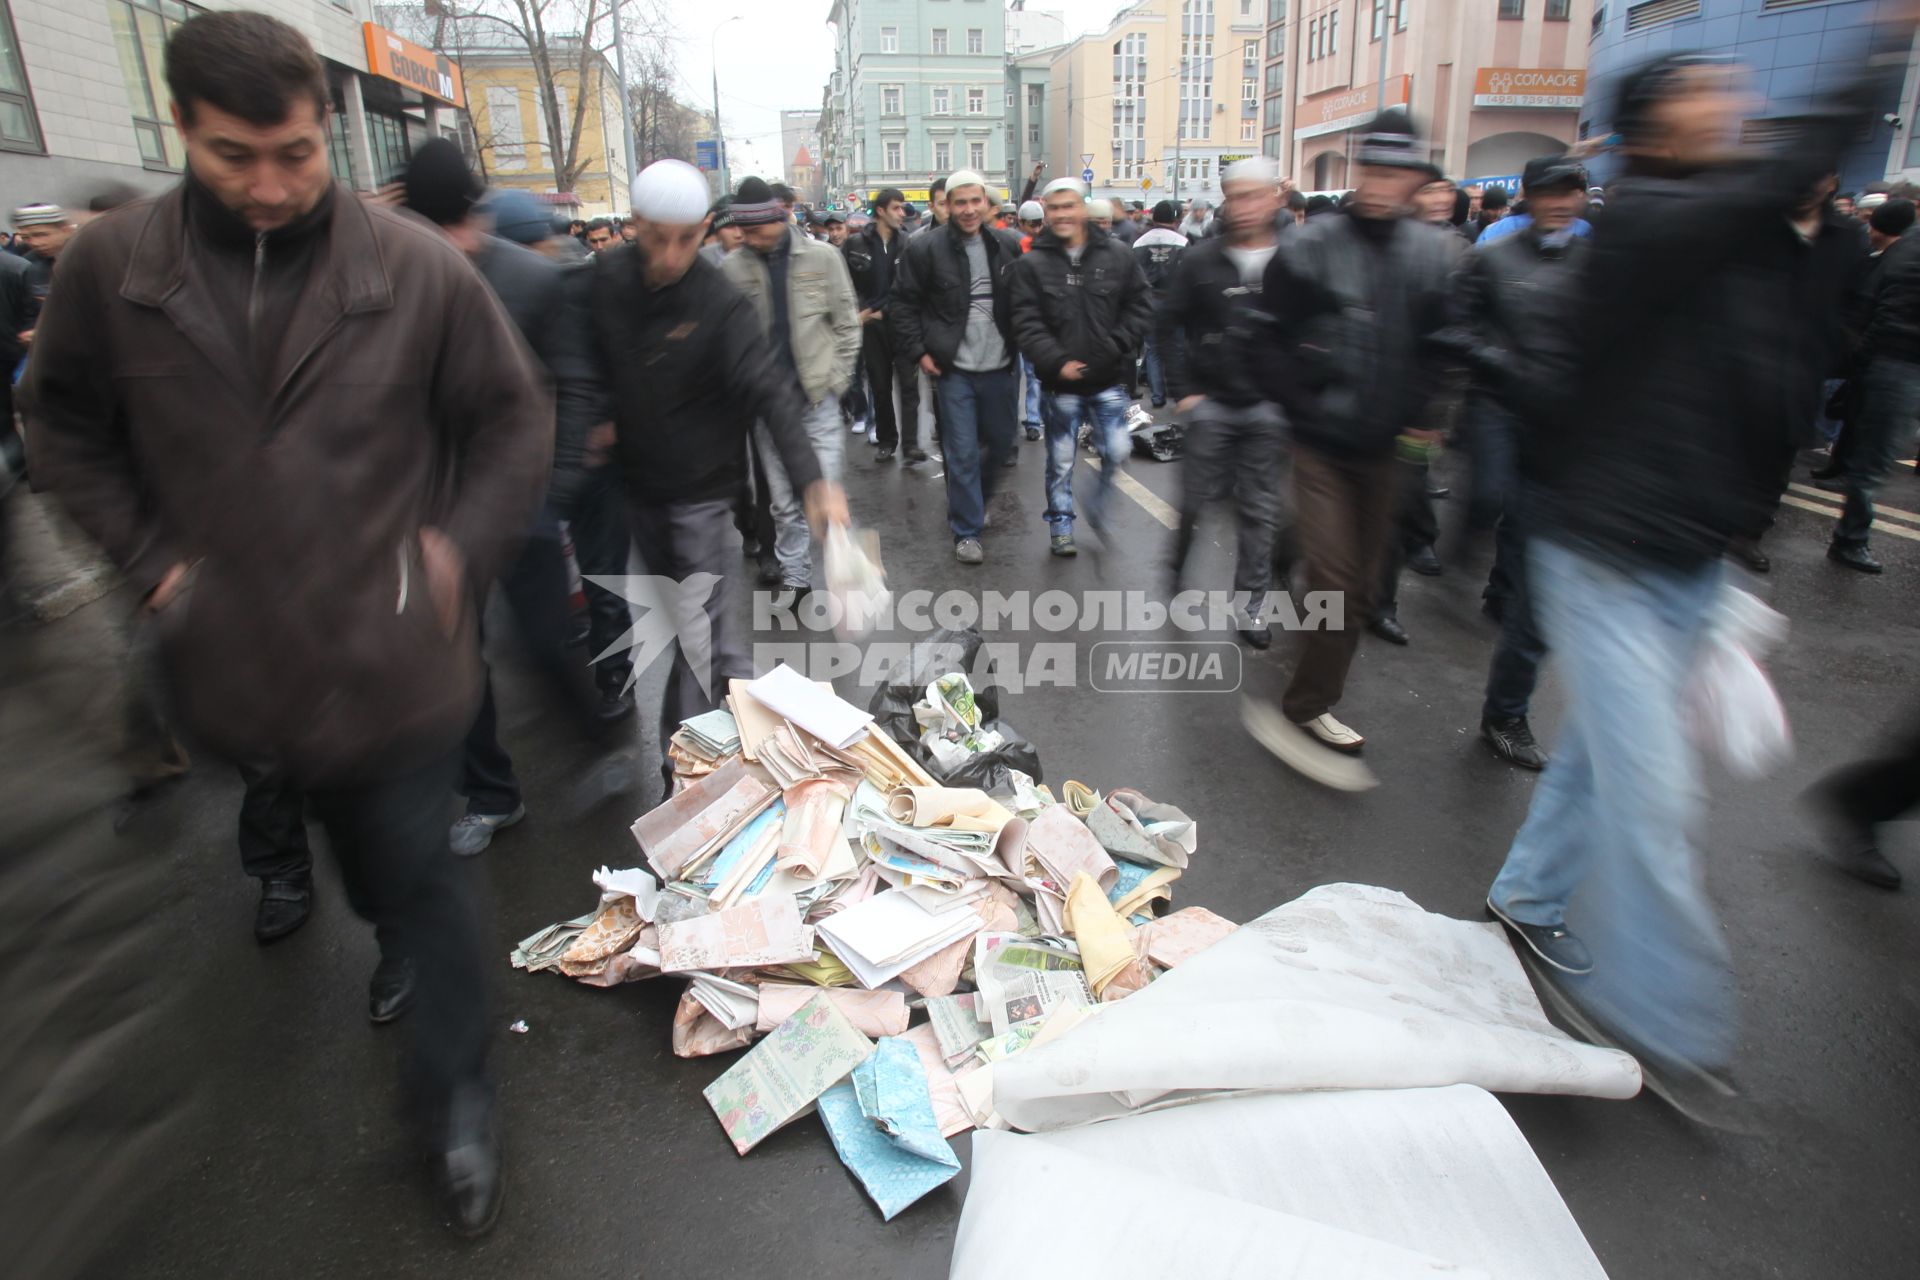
point(1081, 310)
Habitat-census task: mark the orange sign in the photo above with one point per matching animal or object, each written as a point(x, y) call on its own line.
point(1335, 112)
point(1529, 87)
point(391, 58)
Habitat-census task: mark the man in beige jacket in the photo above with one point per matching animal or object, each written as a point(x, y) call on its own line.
point(804, 296)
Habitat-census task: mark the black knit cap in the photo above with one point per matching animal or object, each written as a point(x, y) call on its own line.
point(1390, 141)
point(1166, 214)
point(439, 186)
point(754, 205)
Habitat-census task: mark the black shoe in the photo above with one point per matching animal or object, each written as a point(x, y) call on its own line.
point(615, 705)
point(1494, 607)
point(769, 574)
point(885, 454)
point(1388, 628)
point(390, 993)
point(1011, 460)
point(1831, 484)
point(1260, 637)
point(1747, 553)
point(1512, 740)
point(1551, 942)
point(284, 907)
point(1828, 471)
point(469, 1162)
point(1854, 555)
point(1437, 491)
point(916, 454)
point(1033, 433)
point(1425, 563)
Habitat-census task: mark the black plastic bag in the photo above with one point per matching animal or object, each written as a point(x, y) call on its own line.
point(941, 653)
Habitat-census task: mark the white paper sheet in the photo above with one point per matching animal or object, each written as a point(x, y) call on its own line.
point(1347, 987)
point(1443, 1173)
point(889, 933)
point(636, 882)
point(826, 716)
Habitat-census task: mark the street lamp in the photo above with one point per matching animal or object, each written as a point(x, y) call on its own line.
point(719, 135)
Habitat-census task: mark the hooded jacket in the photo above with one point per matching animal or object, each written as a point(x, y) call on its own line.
point(1360, 315)
point(934, 291)
point(1099, 311)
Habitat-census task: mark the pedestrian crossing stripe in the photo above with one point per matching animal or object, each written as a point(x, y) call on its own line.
point(1880, 524)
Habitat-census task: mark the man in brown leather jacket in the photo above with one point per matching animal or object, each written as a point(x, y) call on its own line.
point(306, 432)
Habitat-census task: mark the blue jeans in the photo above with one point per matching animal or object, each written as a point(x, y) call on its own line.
point(1882, 431)
point(1156, 376)
point(1063, 414)
point(1030, 398)
point(976, 418)
point(1615, 812)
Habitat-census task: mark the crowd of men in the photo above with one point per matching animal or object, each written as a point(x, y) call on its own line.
point(311, 430)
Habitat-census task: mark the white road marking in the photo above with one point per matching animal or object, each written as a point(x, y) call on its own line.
point(1148, 500)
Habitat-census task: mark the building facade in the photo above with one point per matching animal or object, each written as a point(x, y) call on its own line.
point(1159, 102)
point(1031, 29)
point(918, 91)
point(1797, 51)
point(1029, 77)
point(1491, 83)
point(84, 104)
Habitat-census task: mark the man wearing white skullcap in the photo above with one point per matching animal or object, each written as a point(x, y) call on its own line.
point(686, 369)
point(951, 312)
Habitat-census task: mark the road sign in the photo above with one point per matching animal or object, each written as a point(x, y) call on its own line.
point(1086, 159)
point(1086, 175)
point(706, 154)
point(1146, 184)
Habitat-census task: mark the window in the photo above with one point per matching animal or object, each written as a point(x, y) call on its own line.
point(1270, 146)
point(1196, 68)
point(939, 40)
point(140, 31)
point(1250, 54)
point(1246, 8)
point(1379, 18)
point(943, 157)
point(1599, 22)
point(896, 161)
point(19, 125)
point(976, 102)
point(1276, 77)
point(1246, 131)
point(890, 100)
point(976, 41)
point(1276, 12)
point(340, 155)
point(504, 128)
point(1033, 137)
point(942, 100)
point(1249, 91)
point(976, 156)
point(1275, 107)
point(1313, 40)
point(1511, 9)
point(1559, 10)
point(889, 39)
point(388, 138)
point(1399, 15)
point(1129, 107)
point(1277, 43)
point(1333, 33)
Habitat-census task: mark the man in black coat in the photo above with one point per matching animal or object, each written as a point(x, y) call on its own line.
point(952, 305)
point(1081, 310)
point(873, 260)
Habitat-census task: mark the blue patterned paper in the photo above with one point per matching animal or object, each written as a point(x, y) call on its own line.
point(881, 1122)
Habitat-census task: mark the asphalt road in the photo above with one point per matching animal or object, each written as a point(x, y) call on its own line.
point(291, 1161)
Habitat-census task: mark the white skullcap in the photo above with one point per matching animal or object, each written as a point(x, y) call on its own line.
point(965, 178)
point(1031, 211)
point(1252, 169)
point(1058, 185)
point(671, 191)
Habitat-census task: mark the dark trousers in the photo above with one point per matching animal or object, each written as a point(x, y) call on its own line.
point(679, 540)
point(1344, 508)
point(390, 838)
point(1238, 450)
point(1878, 435)
point(602, 544)
point(886, 370)
point(1414, 526)
point(273, 826)
point(536, 589)
point(1869, 792)
point(1515, 667)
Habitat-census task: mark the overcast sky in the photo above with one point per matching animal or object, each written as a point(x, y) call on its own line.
point(780, 55)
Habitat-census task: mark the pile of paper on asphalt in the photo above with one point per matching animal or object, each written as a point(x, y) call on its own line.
point(876, 938)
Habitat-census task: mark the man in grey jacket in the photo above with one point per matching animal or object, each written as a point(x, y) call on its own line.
point(804, 295)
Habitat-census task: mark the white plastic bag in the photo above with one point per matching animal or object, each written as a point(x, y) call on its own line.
point(855, 580)
point(1730, 704)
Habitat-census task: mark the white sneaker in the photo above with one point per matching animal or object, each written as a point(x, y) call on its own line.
point(1332, 733)
point(857, 427)
point(1300, 751)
